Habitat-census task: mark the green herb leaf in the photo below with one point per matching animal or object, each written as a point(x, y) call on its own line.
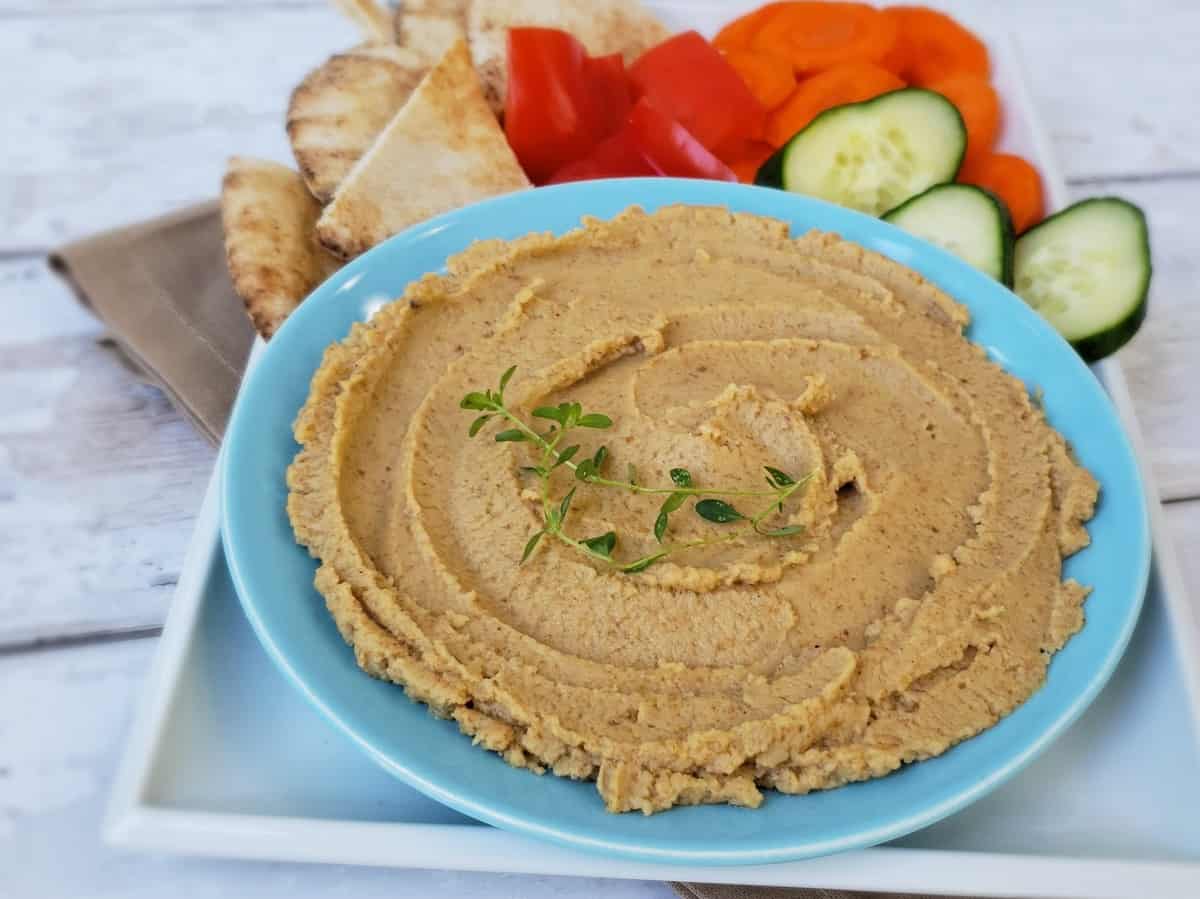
point(565, 456)
point(566, 503)
point(790, 531)
point(718, 510)
point(505, 378)
point(529, 547)
point(777, 478)
point(476, 400)
point(585, 470)
point(670, 504)
point(477, 424)
point(631, 473)
point(574, 411)
point(534, 469)
point(660, 525)
point(644, 562)
point(553, 413)
point(682, 477)
point(512, 435)
point(602, 545)
point(598, 458)
point(595, 420)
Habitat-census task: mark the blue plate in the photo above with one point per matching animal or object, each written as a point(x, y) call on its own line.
point(273, 575)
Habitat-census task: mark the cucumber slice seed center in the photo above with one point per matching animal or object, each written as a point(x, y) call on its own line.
point(949, 244)
point(1057, 279)
point(874, 170)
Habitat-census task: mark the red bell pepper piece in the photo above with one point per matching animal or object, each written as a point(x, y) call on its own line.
point(610, 91)
point(615, 157)
point(687, 78)
point(548, 111)
point(670, 148)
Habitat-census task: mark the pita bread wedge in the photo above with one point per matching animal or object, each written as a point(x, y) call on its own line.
point(453, 10)
point(372, 19)
point(430, 27)
point(615, 26)
point(268, 215)
point(443, 149)
point(338, 110)
point(429, 37)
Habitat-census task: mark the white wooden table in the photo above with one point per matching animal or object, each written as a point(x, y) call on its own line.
point(114, 111)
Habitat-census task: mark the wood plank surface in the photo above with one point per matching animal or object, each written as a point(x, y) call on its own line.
point(142, 110)
point(100, 479)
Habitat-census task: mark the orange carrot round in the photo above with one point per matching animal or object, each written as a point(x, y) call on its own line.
point(935, 45)
point(740, 33)
point(847, 83)
point(818, 35)
point(897, 59)
point(768, 76)
point(978, 104)
point(1014, 181)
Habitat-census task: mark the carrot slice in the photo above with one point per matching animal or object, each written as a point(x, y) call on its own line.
point(898, 59)
point(1014, 181)
point(768, 76)
point(819, 35)
point(739, 33)
point(747, 158)
point(848, 83)
point(935, 45)
point(978, 104)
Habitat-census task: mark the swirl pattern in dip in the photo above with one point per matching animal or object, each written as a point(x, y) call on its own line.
point(921, 603)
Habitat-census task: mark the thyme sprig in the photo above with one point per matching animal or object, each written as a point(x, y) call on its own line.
point(554, 452)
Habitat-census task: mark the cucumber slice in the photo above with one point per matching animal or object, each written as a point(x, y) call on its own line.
point(966, 220)
point(1087, 271)
point(873, 155)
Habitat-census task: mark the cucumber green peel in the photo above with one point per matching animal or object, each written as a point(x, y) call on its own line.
point(1087, 271)
point(873, 155)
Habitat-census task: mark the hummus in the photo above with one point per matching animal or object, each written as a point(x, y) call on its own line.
point(921, 603)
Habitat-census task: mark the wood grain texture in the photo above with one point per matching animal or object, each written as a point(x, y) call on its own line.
point(184, 87)
point(100, 478)
point(1163, 360)
point(142, 111)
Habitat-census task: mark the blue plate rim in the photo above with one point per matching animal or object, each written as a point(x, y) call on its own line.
point(348, 275)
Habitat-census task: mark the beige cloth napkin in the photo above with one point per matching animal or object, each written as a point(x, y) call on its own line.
point(163, 290)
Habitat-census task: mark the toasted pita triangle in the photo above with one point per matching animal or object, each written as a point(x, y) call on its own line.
point(430, 27)
point(429, 37)
point(447, 10)
point(373, 20)
point(443, 149)
point(450, 9)
point(268, 215)
point(341, 106)
point(615, 26)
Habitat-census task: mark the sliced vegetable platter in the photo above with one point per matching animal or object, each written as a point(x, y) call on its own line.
point(890, 111)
